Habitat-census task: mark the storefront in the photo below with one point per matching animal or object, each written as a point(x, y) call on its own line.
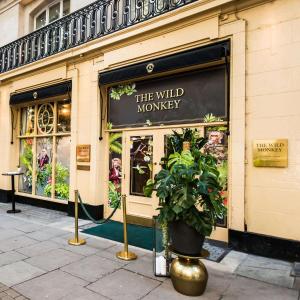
point(95, 114)
point(146, 103)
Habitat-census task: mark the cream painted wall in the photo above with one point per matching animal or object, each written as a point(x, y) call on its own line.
point(273, 111)
point(9, 24)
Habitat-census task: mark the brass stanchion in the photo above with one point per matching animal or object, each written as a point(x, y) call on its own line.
point(125, 255)
point(76, 241)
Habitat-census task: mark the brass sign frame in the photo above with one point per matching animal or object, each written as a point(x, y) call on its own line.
point(83, 153)
point(270, 153)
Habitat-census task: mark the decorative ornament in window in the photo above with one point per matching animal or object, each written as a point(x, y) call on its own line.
point(45, 118)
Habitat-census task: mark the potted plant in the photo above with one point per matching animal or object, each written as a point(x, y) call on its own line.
point(189, 190)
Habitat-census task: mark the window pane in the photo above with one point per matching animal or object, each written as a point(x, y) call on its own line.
point(140, 163)
point(115, 169)
point(66, 7)
point(64, 116)
point(62, 168)
point(41, 20)
point(27, 121)
point(44, 167)
point(45, 118)
point(54, 12)
point(217, 146)
point(26, 159)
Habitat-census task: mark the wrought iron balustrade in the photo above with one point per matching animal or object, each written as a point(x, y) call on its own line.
point(91, 22)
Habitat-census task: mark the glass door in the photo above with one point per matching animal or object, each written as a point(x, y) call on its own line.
point(139, 159)
point(141, 163)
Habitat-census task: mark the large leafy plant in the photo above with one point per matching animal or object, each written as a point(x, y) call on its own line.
point(189, 184)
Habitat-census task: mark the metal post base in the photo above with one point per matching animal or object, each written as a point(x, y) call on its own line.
point(77, 242)
point(13, 211)
point(125, 255)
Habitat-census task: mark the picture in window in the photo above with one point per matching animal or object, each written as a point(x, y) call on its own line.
point(115, 169)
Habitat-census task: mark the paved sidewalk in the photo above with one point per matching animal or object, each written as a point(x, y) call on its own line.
point(37, 263)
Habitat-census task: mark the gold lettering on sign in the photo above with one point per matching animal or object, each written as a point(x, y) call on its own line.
point(166, 102)
point(157, 106)
point(270, 153)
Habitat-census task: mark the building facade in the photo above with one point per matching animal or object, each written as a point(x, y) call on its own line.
point(89, 95)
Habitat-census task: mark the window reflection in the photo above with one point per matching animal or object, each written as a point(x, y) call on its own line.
point(44, 167)
point(62, 168)
point(115, 169)
point(27, 121)
point(41, 20)
point(141, 158)
point(26, 159)
point(54, 12)
point(64, 116)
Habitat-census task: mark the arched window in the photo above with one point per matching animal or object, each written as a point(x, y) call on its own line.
point(51, 13)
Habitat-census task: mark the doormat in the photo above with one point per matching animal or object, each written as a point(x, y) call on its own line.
point(142, 237)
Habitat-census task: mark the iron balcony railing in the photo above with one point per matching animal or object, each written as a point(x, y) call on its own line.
point(91, 22)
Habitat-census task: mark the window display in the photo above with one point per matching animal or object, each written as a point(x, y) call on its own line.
point(45, 156)
point(115, 169)
point(140, 163)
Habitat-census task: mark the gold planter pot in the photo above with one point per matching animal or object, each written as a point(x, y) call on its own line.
point(189, 275)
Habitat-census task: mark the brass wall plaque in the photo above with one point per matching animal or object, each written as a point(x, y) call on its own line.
point(270, 153)
point(83, 167)
point(83, 153)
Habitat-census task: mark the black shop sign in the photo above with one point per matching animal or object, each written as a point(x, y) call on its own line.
point(176, 99)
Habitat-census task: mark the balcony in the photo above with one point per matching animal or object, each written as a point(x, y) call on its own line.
point(89, 23)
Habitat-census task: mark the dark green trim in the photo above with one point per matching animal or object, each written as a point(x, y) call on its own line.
point(264, 245)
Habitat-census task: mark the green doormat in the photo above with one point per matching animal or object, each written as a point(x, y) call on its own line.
point(142, 237)
point(138, 236)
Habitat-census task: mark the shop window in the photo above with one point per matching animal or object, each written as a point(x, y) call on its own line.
point(115, 169)
point(51, 13)
point(44, 154)
point(140, 163)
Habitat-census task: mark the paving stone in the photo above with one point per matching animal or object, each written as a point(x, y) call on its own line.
point(143, 266)
point(297, 284)
point(166, 291)
point(92, 268)
point(12, 293)
point(29, 227)
point(267, 263)
point(44, 235)
point(16, 242)
point(37, 249)
point(54, 259)
point(10, 257)
point(277, 277)
point(110, 253)
point(21, 298)
point(18, 272)
point(53, 285)
point(249, 289)
point(83, 250)
point(233, 259)
point(7, 298)
point(100, 243)
point(9, 233)
point(123, 285)
point(83, 294)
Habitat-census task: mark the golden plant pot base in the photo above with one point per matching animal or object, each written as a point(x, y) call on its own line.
point(126, 255)
point(75, 242)
point(189, 276)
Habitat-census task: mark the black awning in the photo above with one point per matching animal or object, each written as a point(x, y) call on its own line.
point(38, 94)
point(181, 60)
